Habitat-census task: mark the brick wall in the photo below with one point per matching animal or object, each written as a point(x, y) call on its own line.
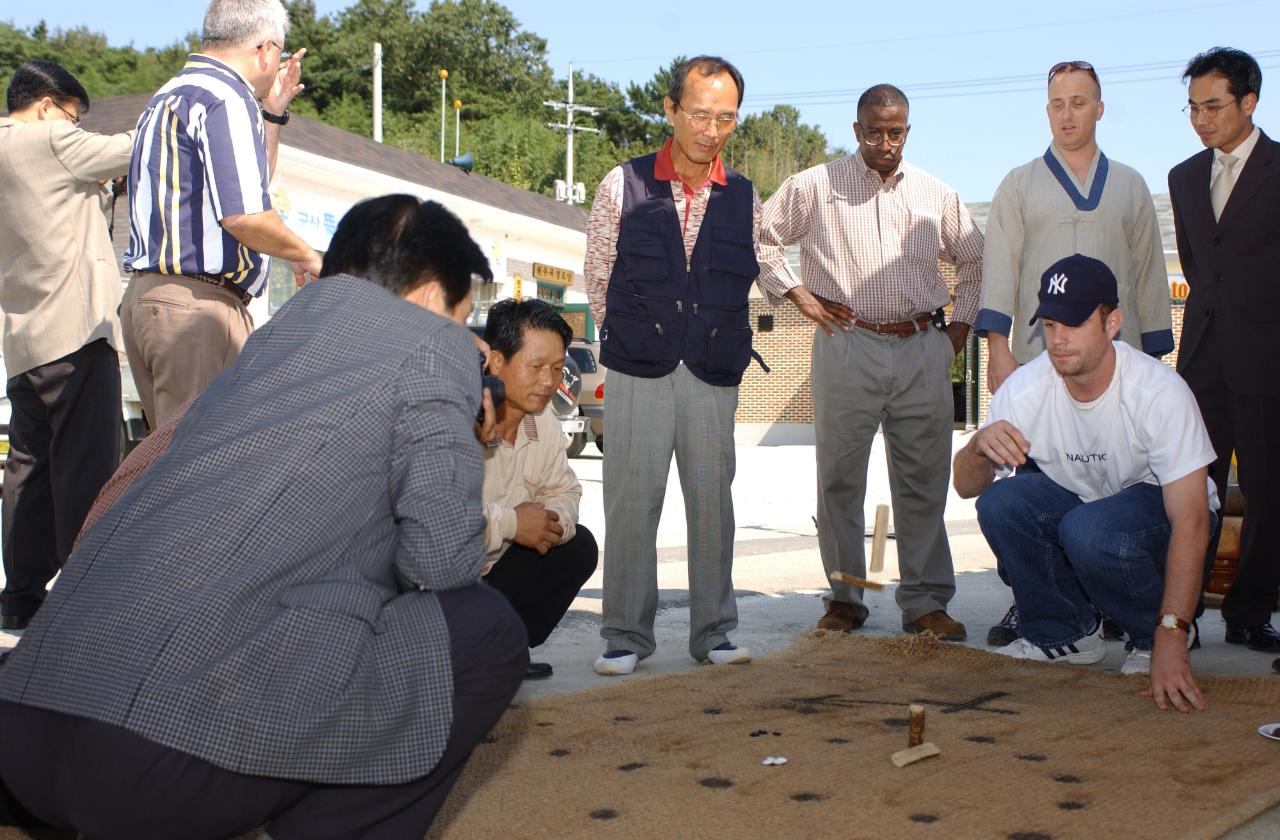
point(784, 395)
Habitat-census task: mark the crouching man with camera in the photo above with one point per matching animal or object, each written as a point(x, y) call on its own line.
point(539, 556)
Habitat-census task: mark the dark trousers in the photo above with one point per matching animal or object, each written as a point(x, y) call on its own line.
point(64, 443)
point(541, 587)
point(107, 782)
point(1246, 425)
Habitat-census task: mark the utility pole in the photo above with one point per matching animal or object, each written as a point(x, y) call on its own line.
point(377, 92)
point(571, 193)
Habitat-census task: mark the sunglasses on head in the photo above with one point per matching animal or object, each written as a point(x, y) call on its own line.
point(1073, 65)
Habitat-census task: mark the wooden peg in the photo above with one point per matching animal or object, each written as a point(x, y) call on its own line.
point(878, 538)
point(913, 754)
point(915, 732)
point(841, 577)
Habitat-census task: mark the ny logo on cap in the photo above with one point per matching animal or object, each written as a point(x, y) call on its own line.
point(1058, 284)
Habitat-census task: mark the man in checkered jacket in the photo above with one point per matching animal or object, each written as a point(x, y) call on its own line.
point(280, 620)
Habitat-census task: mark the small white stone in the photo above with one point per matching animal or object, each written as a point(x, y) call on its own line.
point(774, 760)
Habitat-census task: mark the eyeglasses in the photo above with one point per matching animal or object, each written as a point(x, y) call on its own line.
point(700, 120)
point(1209, 109)
point(75, 118)
point(874, 136)
point(285, 55)
point(1074, 65)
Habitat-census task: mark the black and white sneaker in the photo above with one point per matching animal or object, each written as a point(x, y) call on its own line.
point(1006, 631)
point(1084, 651)
point(1111, 629)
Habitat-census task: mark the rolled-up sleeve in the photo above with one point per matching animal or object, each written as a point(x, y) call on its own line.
point(784, 220)
point(962, 247)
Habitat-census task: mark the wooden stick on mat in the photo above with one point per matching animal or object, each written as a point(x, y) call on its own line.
point(915, 733)
point(913, 754)
point(841, 577)
point(878, 537)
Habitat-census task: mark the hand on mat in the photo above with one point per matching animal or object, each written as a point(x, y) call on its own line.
point(537, 527)
point(1171, 680)
point(820, 310)
point(1002, 444)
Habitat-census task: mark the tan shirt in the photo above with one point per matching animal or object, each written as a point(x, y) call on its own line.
point(59, 282)
point(1033, 223)
point(872, 245)
point(533, 469)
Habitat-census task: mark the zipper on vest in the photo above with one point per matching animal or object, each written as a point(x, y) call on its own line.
point(679, 305)
point(657, 325)
point(695, 307)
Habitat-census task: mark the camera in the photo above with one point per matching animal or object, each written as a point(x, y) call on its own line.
point(497, 391)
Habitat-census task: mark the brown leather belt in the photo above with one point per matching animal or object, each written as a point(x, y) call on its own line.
point(212, 280)
point(897, 329)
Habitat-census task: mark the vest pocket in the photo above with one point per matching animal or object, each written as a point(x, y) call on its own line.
point(642, 342)
point(733, 252)
point(728, 350)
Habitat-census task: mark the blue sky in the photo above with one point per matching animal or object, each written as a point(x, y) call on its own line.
point(974, 72)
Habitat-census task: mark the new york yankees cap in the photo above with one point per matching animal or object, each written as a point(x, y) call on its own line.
point(1073, 287)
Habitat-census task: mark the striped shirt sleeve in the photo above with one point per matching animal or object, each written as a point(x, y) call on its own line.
point(235, 162)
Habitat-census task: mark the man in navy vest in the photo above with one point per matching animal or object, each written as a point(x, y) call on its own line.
point(669, 264)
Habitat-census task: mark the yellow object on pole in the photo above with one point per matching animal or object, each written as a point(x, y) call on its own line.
point(518, 291)
point(444, 75)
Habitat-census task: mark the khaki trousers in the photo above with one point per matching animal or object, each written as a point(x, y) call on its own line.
point(179, 333)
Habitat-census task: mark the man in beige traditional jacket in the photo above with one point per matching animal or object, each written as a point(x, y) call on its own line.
point(59, 289)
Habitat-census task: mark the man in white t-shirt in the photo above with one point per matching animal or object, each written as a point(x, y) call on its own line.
point(1116, 518)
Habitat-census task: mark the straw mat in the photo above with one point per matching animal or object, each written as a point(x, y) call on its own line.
point(1028, 751)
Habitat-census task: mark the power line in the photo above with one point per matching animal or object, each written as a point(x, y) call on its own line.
point(984, 86)
point(1055, 24)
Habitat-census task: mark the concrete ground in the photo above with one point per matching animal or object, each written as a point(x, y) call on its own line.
point(779, 580)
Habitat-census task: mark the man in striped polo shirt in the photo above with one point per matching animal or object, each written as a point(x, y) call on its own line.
point(201, 224)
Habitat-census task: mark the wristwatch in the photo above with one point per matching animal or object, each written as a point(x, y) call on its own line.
point(282, 119)
point(1170, 621)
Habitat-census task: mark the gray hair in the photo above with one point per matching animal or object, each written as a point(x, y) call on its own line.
point(236, 24)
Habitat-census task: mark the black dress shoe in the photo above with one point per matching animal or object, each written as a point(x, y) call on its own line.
point(1263, 637)
point(537, 671)
point(1275, 666)
point(15, 622)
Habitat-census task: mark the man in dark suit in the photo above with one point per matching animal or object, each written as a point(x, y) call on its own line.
point(1226, 213)
point(279, 621)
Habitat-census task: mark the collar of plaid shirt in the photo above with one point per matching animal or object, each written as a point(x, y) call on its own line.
point(866, 173)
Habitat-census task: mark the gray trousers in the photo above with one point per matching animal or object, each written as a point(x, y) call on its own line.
point(647, 420)
point(862, 381)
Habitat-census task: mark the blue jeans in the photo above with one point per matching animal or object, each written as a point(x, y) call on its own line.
point(1066, 559)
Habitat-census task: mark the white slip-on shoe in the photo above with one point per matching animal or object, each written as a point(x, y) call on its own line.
point(728, 654)
point(616, 663)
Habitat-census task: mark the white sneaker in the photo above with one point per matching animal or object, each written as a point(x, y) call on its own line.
point(728, 654)
point(616, 663)
point(1137, 662)
point(1084, 651)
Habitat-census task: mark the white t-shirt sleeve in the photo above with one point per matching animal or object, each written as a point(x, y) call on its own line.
point(1179, 443)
